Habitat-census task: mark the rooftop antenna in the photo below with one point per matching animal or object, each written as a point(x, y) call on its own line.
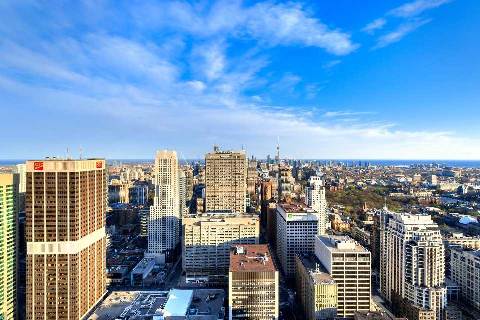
point(68, 153)
point(81, 152)
point(277, 157)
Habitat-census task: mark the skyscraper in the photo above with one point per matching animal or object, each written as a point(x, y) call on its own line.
point(296, 228)
point(8, 245)
point(65, 232)
point(252, 283)
point(164, 218)
point(226, 181)
point(315, 198)
point(348, 263)
point(412, 263)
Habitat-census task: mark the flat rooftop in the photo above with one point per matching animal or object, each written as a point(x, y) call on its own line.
point(296, 211)
point(316, 270)
point(254, 258)
point(341, 244)
point(206, 304)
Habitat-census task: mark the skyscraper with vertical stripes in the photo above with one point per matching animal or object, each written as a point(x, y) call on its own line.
point(65, 234)
point(8, 242)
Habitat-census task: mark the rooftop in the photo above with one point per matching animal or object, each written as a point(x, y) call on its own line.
point(316, 270)
point(253, 257)
point(296, 211)
point(341, 243)
point(178, 303)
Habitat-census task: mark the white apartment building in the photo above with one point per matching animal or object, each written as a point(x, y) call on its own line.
point(465, 271)
point(348, 263)
point(296, 228)
point(316, 199)
point(412, 261)
point(164, 218)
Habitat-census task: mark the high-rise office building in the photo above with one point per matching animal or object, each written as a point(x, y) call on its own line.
point(316, 289)
point(349, 265)
point(296, 226)
point(412, 264)
point(207, 240)
point(8, 245)
point(316, 199)
point(65, 232)
point(252, 283)
point(164, 217)
point(226, 181)
point(465, 271)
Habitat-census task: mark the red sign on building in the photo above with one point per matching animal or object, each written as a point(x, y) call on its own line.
point(99, 164)
point(38, 166)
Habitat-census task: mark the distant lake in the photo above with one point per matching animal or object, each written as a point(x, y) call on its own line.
point(448, 163)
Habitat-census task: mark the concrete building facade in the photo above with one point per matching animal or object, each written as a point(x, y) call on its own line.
point(413, 262)
point(8, 245)
point(253, 283)
point(66, 239)
point(349, 264)
point(226, 181)
point(296, 228)
point(164, 217)
point(316, 199)
point(207, 240)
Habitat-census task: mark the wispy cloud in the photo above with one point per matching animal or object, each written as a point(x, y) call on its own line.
point(375, 25)
point(268, 22)
point(416, 8)
point(408, 14)
point(330, 64)
point(399, 33)
point(182, 86)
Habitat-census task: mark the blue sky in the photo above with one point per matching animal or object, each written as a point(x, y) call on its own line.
point(330, 79)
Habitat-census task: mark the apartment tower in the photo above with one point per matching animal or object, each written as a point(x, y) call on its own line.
point(412, 264)
point(164, 218)
point(226, 181)
point(316, 199)
point(252, 283)
point(8, 245)
point(65, 233)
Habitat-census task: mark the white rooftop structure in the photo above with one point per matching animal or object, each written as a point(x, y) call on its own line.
point(178, 303)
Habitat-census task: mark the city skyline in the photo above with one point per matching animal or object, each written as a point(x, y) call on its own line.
point(367, 81)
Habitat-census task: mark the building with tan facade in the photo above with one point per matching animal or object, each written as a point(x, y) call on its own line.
point(165, 213)
point(253, 282)
point(316, 289)
point(65, 234)
point(225, 181)
point(207, 240)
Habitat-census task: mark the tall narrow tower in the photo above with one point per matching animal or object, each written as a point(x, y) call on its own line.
point(164, 218)
point(316, 199)
point(65, 233)
point(277, 155)
point(8, 245)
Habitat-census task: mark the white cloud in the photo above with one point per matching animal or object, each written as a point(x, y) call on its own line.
point(269, 22)
point(375, 25)
point(417, 7)
point(331, 64)
point(399, 33)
